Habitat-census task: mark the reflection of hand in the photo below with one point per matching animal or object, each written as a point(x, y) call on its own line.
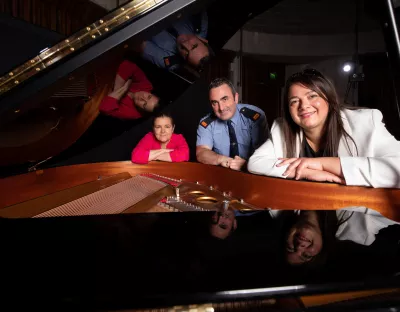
point(237, 163)
point(119, 93)
point(297, 165)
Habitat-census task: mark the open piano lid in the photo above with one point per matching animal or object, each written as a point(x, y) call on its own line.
point(48, 102)
point(158, 260)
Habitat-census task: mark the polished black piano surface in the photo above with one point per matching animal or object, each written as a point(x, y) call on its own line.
point(169, 259)
point(162, 260)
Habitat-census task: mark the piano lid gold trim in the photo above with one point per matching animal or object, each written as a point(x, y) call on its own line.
point(75, 42)
point(208, 307)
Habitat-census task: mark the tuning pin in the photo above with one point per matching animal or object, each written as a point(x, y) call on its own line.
point(241, 201)
point(211, 188)
point(197, 182)
point(177, 192)
point(225, 204)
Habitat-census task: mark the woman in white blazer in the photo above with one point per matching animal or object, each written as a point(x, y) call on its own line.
point(318, 139)
point(311, 235)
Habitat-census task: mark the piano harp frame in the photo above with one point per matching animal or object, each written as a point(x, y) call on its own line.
point(259, 191)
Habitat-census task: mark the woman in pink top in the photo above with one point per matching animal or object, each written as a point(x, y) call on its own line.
point(132, 94)
point(161, 144)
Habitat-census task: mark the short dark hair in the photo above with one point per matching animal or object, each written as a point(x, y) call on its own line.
point(217, 82)
point(206, 59)
point(161, 114)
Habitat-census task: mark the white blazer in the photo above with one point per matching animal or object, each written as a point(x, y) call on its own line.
point(361, 225)
point(377, 163)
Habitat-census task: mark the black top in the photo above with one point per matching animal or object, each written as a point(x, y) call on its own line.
point(310, 153)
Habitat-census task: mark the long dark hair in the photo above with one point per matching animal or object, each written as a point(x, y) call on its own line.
point(333, 129)
point(328, 223)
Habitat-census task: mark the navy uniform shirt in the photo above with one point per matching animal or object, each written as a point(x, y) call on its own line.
point(250, 132)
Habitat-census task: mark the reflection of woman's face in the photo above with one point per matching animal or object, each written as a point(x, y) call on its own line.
point(223, 223)
point(145, 100)
point(163, 129)
point(304, 241)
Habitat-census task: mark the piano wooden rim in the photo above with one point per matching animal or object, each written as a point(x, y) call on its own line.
point(260, 191)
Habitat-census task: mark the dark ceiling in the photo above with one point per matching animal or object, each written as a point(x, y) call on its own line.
point(312, 17)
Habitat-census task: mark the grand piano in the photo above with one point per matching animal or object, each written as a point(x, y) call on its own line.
point(84, 228)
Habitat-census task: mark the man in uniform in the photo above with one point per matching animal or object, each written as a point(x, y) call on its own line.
point(228, 136)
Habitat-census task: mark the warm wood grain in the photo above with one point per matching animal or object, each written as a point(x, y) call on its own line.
point(70, 128)
point(41, 204)
point(62, 16)
point(257, 190)
point(318, 300)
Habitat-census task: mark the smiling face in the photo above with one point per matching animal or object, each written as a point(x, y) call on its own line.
point(163, 129)
point(192, 48)
point(223, 101)
point(145, 100)
point(307, 108)
point(223, 223)
point(304, 241)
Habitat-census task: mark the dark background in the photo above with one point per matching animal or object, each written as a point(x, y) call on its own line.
point(110, 139)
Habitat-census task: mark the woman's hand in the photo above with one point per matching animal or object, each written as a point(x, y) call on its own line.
point(120, 92)
point(155, 154)
point(163, 151)
point(319, 176)
point(297, 165)
point(323, 169)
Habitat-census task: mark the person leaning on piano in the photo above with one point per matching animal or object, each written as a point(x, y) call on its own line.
point(318, 139)
point(162, 143)
point(131, 96)
point(229, 135)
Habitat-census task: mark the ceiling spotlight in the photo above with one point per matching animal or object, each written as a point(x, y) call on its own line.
point(347, 68)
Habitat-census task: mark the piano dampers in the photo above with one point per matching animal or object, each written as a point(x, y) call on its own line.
point(112, 200)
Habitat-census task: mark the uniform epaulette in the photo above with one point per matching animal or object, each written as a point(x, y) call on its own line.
point(171, 60)
point(249, 113)
point(207, 121)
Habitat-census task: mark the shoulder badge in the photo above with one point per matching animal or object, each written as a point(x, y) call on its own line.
point(207, 121)
point(249, 113)
point(171, 60)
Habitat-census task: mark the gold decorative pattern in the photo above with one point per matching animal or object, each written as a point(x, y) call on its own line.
point(75, 42)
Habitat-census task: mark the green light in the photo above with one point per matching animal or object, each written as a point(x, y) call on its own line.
point(272, 76)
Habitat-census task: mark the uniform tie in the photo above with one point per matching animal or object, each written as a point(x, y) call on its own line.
point(234, 148)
